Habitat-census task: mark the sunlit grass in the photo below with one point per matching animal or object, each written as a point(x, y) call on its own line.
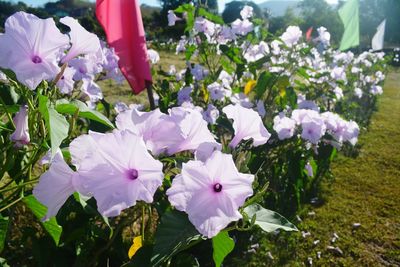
point(366, 190)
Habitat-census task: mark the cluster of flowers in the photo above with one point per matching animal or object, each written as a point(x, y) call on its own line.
point(124, 166)
point(117, 169)
point(35, 50)
point(325, 69)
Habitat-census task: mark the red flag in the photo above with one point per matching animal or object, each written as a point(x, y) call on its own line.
point(122, 22)
point(308, 34)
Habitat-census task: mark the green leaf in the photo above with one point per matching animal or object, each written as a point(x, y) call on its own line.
point(65, 107)
point(264, 81)
point(233, 53)
point(84, 201)
point(142, 257)
point(8, 94)
point(222, 246)
point(3, 231)
point(214, 18)
point(51, 226)
point(56, 124)
point(268, 220)
point(189, 9)
point(174, 234)
point(189, 51)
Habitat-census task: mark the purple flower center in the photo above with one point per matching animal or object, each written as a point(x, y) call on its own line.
point(310, 131)
point(133, 174)
point(217, 187)
point(36, 59)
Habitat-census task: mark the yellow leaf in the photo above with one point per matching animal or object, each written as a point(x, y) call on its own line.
point(249, 86)
point(282, 92)
point(137, 243)
point(206, 94)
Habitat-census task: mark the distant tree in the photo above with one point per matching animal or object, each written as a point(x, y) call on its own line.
point(316, 13)
point(277, 25)
point(232, 10)
point(373, 12)
point(161, 19)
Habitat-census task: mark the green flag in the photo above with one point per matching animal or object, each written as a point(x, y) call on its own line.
point(350, 17)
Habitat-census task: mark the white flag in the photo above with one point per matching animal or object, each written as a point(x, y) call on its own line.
point(377, 40)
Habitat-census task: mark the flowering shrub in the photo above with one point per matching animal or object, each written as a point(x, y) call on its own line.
point(252, 122)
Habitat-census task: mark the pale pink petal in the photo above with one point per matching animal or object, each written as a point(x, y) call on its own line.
point(247, 125)
point(21, 134)
point(210, 194)
point(193, 129)
point(120, 173)
point(30, 47)
point(83, 42)
point(55, 186)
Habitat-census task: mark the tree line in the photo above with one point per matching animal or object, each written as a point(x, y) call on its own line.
point(307, 13)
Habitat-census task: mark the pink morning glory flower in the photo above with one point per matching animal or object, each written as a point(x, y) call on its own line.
point(117, 170)
point(92, 90)
point(158, 130)
point(284, 127)
point(193, 127)
point(21, 134)
point(246, 12)
point(184, 95)
point(247, 125)
point(153, 56)
point(83, 42)
point(66, 82)
point(209, 194)
point(56, 185)
point(30, 47)
point(313, 129)
point(291, 36)
point(85, 67)
point(351, 133)
point(242, 27)
point(172, 18)
point(211, 114)
point(110, 58)
point(309, 169)
point(205, 150)
point(217, 91)
point(204, 25)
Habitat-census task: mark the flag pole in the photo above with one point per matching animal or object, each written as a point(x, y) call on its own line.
point(150, 96)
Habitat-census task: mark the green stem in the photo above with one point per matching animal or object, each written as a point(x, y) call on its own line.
point(8, 113)
point(11, 204)
point(20, 185)
point(143, 224)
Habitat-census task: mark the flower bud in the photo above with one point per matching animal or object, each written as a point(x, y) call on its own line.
point(21, 134)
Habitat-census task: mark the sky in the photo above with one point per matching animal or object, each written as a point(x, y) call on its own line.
point(221, 3)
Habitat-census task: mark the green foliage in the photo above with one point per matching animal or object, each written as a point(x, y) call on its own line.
point(4, 222)
point(73, 107)
point(51, 226)
point(55, 122)
point(264, 82)
point(233, 53)
point(175, 233)
point(268, 220)
point(363, 192)
point(222, 246)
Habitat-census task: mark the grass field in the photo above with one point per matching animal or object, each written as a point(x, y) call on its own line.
point(366, 191)
point(114, 92)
